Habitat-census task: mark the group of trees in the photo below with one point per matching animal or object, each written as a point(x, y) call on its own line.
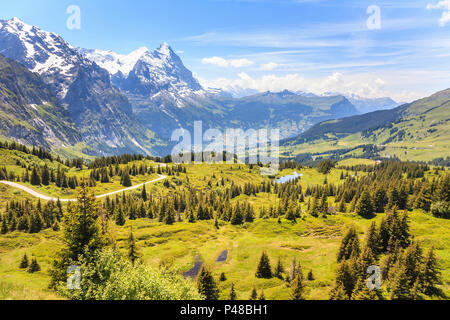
point(387, 187)
point(405, 272)
point(32, 266)
point(30, 217)
point(107, 274)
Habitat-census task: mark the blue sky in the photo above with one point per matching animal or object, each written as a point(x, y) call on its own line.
point(309, 45)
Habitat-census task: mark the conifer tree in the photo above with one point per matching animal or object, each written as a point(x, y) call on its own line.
point(35, 180)
point(338, 292)
point(132, 249)
point(279, 269)
point(341, 207)
point(119, 216)
point(261, 295)
point(236, 217)
point(169, 217)
point(430, 275)
point(362, 291)
point(364, 208)
point(233, 295)
point(206, 284)
point(222, 277)
point(34, 266)
point(126, 180)
point(144, 194)
point(24, 263)
point(349, 245)
point(4, 228)
point(82, 235)
point(45, 175)
point(310, 276)
point(264, 270)
point(297, 288)
point(345, 278)
point(254, 294)
point(373, 239)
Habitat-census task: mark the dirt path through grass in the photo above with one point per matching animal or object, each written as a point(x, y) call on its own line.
point(48, 198)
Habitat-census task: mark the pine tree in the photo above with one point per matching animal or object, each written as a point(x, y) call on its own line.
point(349, 245)
point(222, 277)
point(341, 207)
point(254, 294)
point(82, 235)
point(126, 180)
point(264, 270)
point(399, 286)
point(345, 277)
point(169, 217)
point(45, 175)
point(119, 216)
point(310, 276)
point(362, 291)
point(35, 180)
point(133, 251)
point(279, 269)
point(34, 266)
point(24, 263)
point(261, 295)
point(297, 288)
point(338, 293)
point(236, 217)
point(364, 261)
point(373, 239)
point(144, 194)
point(206, 284)
point(364, 208)
point(430, 275)
point(233, 295)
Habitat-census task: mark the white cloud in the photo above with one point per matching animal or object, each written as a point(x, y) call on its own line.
point(269, 66)
point(224, 63)
point(180, 51)
point(360, 84)
point(444, 5)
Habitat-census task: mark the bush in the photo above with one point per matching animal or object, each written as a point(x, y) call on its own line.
point(111, 277)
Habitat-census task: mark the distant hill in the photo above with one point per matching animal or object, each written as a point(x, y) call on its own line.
point(415, 131)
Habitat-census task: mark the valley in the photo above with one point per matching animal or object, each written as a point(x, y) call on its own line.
point(313, 240)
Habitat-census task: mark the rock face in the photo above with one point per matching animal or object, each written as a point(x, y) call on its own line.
point(29, 112)
point(102, 115)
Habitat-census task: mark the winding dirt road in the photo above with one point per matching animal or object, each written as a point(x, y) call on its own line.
point(48, 198)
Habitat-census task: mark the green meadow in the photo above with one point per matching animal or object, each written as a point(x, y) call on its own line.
point(312, 241)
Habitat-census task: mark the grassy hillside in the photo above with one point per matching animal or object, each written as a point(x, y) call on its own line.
point(419, 131)
point(313, 241)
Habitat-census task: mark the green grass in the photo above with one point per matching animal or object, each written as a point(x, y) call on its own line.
point(313, 241)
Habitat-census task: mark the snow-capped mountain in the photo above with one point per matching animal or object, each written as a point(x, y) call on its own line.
point(100, 112)
point(42, 52)
point(146, 73)
point(163, 92)
point(366, 105)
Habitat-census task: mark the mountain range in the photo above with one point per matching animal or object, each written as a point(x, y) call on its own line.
point(112, 103)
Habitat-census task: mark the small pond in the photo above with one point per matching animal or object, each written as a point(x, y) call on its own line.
point(288, 178)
